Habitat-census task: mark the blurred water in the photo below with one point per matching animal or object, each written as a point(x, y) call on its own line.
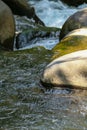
point(54, 12)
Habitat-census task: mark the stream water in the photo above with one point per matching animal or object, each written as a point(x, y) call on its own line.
point(54, 12)
point(24, 103)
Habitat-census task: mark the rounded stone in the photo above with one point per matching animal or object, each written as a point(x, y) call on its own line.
point(67, 71)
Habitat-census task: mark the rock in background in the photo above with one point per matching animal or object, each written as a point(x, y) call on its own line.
point(23, 8)
point(75, 21)
point(74, 2)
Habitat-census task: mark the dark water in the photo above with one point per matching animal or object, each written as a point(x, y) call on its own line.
point(26, 105)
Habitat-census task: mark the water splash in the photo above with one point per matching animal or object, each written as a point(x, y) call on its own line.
point(54, 13)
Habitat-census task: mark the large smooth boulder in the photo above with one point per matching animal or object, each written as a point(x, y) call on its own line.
point(75, 21)
point(7, 27)
point(74, 2)
point(67, 71)
point(23, 8)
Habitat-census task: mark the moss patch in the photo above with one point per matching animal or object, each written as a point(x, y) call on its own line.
point(23, 68)
point(69, 44)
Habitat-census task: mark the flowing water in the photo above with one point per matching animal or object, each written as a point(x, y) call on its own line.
point(54, 12)
point(24, 103)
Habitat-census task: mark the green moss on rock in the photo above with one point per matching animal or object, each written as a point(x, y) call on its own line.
point(23, 68)
point(70, 44)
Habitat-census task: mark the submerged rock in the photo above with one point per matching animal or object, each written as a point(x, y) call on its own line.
point(67, 71)
point(23, 68)
point(75, 21)
point(7, 27)
point(32, 32)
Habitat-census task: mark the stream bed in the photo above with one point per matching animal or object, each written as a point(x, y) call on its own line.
point(24, 103)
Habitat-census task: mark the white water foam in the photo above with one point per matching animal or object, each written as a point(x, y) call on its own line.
point(47, 43)
point(54, 13)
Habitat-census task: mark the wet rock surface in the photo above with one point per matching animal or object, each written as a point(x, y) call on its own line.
point(30, 32)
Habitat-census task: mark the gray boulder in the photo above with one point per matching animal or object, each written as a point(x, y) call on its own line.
point(67, 71)
point(7, 27)
point(75, 21)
